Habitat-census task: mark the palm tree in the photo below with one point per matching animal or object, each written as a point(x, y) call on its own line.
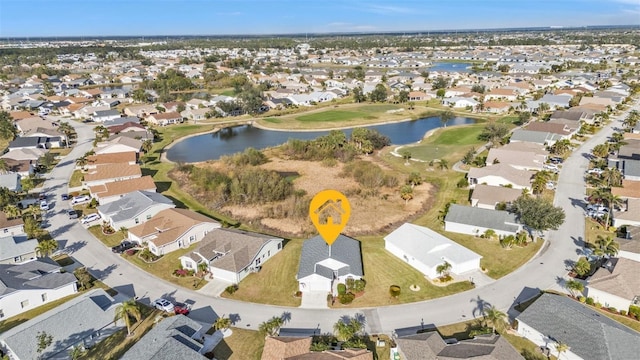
point(346, 330)
point(443, 269)
point(606, 246)
point(443, 164)
point(609, 199)
point(561, 347)
point(146, 146)
point(271, 326)
point(35, 211)
point(67, 130)
point(46, 247)
point(12, 211)
point(222, 323)
point(496, 317)
point(612, 177)
point(406, 193)
point(127, 310)
point(82, 161)
point(574, 286)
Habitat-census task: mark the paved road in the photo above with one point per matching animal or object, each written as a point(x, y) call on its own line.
point(543, 272)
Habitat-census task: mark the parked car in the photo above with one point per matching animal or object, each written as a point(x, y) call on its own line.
point(556, 160)
point(89, 218)
point(164, 305)
point(72, 214)
point(42, 196)
point(64, 197)
point(181, 309)
point(80, 199)
point(43, 205)
point(596, 171)
point(123, 246)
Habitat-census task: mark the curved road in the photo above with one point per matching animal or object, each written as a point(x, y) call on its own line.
point(544, 271)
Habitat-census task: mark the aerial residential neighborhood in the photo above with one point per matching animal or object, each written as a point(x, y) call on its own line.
point(156, 190)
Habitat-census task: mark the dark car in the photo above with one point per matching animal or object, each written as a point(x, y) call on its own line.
point(64, 197)
point(72, 214)
point(123, 246)
point(181, 309)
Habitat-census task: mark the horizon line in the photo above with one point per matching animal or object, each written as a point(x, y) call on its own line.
point(335, 33)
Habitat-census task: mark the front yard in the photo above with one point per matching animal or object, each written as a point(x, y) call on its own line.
point(241, 345)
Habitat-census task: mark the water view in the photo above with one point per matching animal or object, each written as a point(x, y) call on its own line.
point(451, 67)
point(235, 139)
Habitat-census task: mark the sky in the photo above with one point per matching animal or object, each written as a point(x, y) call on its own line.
point(43, 18)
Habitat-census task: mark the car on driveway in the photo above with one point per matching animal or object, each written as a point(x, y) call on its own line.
point(72, 214)
point(44, 205)
point(123, 246)
point(80, 199)
point(164, 305)
point(181, 309)
point(89, 218)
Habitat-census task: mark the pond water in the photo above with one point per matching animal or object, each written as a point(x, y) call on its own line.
point(236, 139)
point(451, 67)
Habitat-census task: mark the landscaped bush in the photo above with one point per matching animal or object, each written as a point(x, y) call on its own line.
point(445, 278)
point(598, 305)
point(634, 311)
point(359, 285)
point(148, 256)
point(462, 183)
point(482, 331)
point(231, 289)
point(342, 289)
point(181, 272)
point(394, 291)
point(590, 301)
point(582, 299)
point(612, 309)
point(623, 313)
point(346, 298)
point(131, 252)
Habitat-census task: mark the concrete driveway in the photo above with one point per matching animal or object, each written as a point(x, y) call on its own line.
point(544, 271)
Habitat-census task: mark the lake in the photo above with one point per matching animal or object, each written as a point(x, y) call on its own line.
point(451, 67)
point(231, 140)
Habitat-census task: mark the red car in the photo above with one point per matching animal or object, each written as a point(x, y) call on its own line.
point(181, 309)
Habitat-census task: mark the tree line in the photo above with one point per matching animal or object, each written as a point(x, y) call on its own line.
point(336, 145)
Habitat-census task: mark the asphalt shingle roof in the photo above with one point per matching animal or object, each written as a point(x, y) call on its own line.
point(170, 339)
point(589, 334)
point(42, 273)
point(343, 249)
point(17, 245)
point(490, 219)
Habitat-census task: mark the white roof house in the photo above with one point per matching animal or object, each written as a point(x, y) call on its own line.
point(425, 249)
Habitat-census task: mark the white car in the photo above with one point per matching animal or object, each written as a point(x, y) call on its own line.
point(89, 218)
point(596, 171)
point(44, 206)
point(80, 199)
point(164, 305)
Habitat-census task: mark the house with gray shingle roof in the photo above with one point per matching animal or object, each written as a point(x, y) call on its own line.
point(539, 137)
point(173, 338)
point(589, 334)
point(17, 249)
point(134, 208)
point(82, 321)
point(321, 265)
point(431, 346)
point(232, 254)
point(30, 284)
point(475, 221)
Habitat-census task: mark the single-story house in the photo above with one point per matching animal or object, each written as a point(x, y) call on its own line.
point(629, 190)
point(83, 321)
point(475, 221)
point(497, 107)
point(16, 249)
point(10, 227)
point(539, 137)
point(25, 154)
point(232, 254)
point(425, 249)
point(321, 265)
point(521, 160)
point(31, 284)
point(121, 121)
point(430, 345)
point(630, 168)
point(501, 94)
point(114, 190)
point(616, 284)
point(562, 130)
point(588, 334)
point(119, 144)
point(103, 174)
point(195, 114)
point(122, 158)
point(11, 182)
point(164, 119)
point(488, 197)
point(105, 115)
point(134, 208)
point(35, 142)
point(175, 337)
point(140, 111)
point(126, 127)
point(460, 102)
point(500, 175)
point(172, 229)
point(630, 214)
point(24, 168)
point(298, 347)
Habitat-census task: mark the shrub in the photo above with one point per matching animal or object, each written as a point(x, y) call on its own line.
point(231, 289)
point(319, 347)
point(360, 285)
point(445, 278)
point(623, 312)
point(612, 309)
point(342, 289)
point(181, 272)
point(394, 291)
point(350, 282)
point(482, 331)
point(131, 252)
point(462, 183)
point(590, 301)
point(346, 298)
point(298, 293)
point(598, 305)
point(582, 299)
point(635, 311)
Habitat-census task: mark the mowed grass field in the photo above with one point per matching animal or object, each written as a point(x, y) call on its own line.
point(448, 143)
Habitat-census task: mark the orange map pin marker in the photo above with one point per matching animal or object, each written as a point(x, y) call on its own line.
point(329, 212)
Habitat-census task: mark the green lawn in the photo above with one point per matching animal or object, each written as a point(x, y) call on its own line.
point(275, 283)
point(241, 345)
point(164, 268)
point(76, 178)
point(448, 143)
point(332, 115)
point(109, 240)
